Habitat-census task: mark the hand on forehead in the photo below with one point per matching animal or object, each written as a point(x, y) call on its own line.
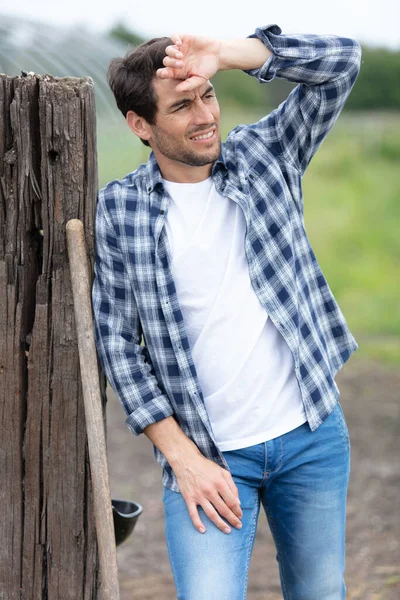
point(191, 61)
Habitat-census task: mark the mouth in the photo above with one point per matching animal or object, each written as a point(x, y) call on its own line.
point(205, 137)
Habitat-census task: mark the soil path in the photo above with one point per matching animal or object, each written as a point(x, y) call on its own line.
point(370, 397)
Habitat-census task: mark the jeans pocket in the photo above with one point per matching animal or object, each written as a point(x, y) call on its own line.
point(344, 432)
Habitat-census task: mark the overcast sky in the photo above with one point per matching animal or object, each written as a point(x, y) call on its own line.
point(375, 22)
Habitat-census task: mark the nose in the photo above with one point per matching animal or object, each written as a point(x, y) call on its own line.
point(202, 113)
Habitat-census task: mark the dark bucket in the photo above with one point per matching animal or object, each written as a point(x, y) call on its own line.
point(125, 514)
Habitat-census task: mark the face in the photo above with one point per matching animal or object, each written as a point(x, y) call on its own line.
point(187, 126)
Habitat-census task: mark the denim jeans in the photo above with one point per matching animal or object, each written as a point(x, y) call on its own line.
point(301, 480)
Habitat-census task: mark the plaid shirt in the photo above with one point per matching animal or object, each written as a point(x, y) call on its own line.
point(260, 167)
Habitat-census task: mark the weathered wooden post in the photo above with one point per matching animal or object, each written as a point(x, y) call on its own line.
point(48, 175)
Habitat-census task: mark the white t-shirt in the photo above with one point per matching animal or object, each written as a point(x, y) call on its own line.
point(245, 367)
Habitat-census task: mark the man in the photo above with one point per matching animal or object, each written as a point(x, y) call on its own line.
point(203, 251)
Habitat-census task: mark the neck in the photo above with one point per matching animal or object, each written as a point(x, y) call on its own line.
point(178, 172)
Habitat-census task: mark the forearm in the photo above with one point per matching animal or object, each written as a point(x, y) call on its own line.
point(248, 53)
point(171, 441)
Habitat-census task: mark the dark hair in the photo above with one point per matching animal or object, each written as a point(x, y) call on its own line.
point(131, 78)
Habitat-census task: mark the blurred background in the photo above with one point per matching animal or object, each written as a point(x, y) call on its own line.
point(352, 210)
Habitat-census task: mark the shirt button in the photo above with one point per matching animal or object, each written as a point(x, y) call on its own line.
point(162, 212)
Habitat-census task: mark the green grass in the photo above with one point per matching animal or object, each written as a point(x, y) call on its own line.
point(352, 215)
point(352, 209)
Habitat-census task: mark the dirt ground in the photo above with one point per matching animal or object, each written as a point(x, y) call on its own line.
point(370, 397)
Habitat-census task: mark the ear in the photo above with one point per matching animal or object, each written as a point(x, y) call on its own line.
point(138, 125)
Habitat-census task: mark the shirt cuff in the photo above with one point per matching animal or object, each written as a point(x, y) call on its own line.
point(266, 35)
point(158, 409)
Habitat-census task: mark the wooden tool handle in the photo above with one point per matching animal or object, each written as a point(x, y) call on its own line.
point(81, 291)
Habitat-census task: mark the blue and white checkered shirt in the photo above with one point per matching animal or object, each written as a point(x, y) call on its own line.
point(260, 167)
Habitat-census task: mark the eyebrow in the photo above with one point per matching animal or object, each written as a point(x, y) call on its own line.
point(185, 100)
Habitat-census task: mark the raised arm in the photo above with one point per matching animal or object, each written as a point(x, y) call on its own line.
point(325, 67)
point(195, 59)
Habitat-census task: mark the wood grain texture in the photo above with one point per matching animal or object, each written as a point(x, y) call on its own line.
point(48, 175)
point(81, 289)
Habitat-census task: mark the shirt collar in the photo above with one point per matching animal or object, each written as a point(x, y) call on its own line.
point(154, 178)
point(153, 173)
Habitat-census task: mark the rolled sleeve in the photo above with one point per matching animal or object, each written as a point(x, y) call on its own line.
point(266, 35)
point(158, 409)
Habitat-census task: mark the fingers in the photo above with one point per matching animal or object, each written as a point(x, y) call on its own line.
point(173, 52)
point(225, 511)
point(216, 507)
point(171, 62)
point(211, 514)
point(190, 84)
point(230, 495)
point(177, 39)
point(232, 502)
point(205, 484)
point(214, 516)
point(168, 61)
point(187, 85)
point(194, 515)
point(166, 73)
point(235, 492)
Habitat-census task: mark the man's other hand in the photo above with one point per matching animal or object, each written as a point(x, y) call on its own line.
point(204, 483)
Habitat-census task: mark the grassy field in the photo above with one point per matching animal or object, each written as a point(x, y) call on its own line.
point(352, 216)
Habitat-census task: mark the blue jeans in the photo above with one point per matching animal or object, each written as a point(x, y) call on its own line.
point(301, 479)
